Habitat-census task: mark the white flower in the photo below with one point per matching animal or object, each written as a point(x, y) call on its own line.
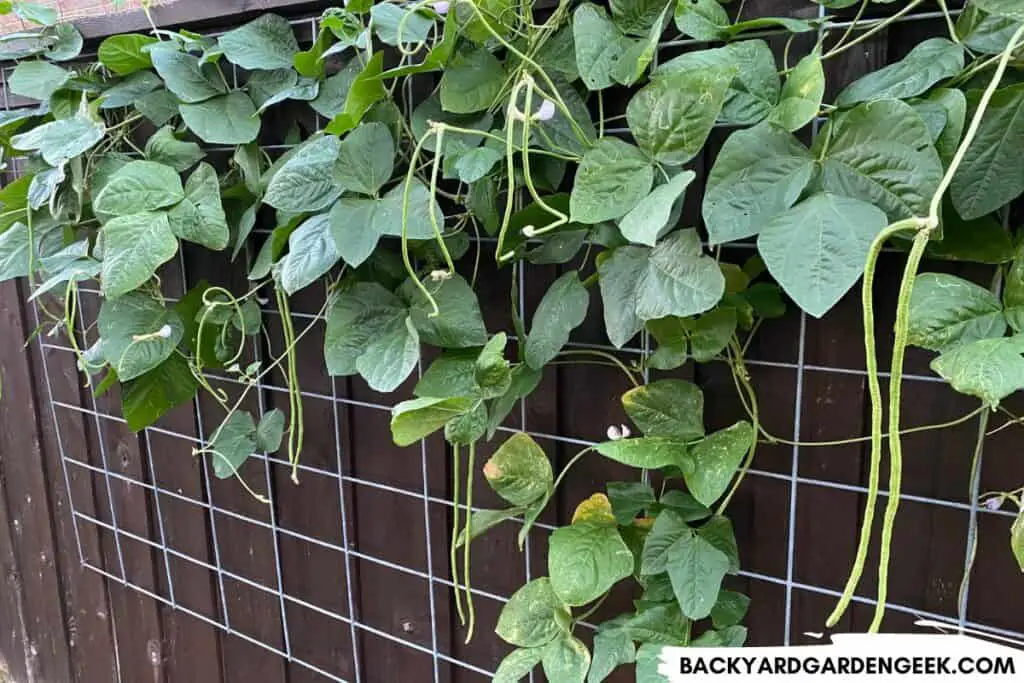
point(994, 503)
point(441, 6)
point(546, 111)
point(164, 332)
point(617, 432)
point(529, 231)
point(440, 275)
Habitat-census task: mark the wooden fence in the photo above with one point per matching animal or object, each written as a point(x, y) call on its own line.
point(123, 560)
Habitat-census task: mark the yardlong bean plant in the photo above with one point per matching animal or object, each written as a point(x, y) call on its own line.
point(432, 135)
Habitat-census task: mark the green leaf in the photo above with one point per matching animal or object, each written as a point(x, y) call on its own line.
point(267, 42)
point(519, 471)
point(599, 45)
point(991, 174)
point(1013, 293)
point(159, 106)
point(946, 310)
point(357, 224)
point(628, 499)
point(881, 153)
point(365, 158)
point(67, 43)
point(307, 181)
point(124, 54)
point(981, 32)
point(199, 217)
point(225, 120)
point(928, 63)
point(696, 569)
point(61, 140)
point(715, 459)
point(184, 75)
point(365, 91)
point(585, 561)
point(651, 452)
point(754, 90)
point(711, 332)
point(801, 95)
point(459, 324)
point(471, 81)
point(679, 279)
point(491, 370)
point(330, 101)
point(232, 444)
point(718, 532)
point(133, 248)
point(954, 103)
point(648, 219)
point(130, 90)
point(671, 408)
point(702, 19)
point(990, 369)
point(133, 329)
point(660, 546)
point(729, 609)
point(476, 163)
point(523, 381)
point(311, 254)
point(395, 25)
point(613, 177)
point(730, 636)
point(619, 272)
point(672, 116)
point(420, 417)
point(37, 79)
point(566, 660)
point(983, 240)
point(164, 148)
point(14, 252)
point(648, 659)
point(563, 309)
point(759, 173)
point(533, 616)
point(817, 249)
point(612, 648)
point(36, 13)
point(140, 186)
point(150, 396)
point(482, 521)
point(517, 665)
point(369, 332)
point(352, 323)
point(1002, 8)
point(1017, 539)
point(270, 431)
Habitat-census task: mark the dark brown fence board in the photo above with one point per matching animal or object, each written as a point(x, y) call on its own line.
point(27, 500)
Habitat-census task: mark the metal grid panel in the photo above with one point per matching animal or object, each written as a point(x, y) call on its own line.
point(162, 496)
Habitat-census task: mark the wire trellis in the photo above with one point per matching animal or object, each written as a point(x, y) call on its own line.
point(217, 514)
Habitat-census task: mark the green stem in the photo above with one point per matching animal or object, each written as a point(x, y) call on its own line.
point(453, 550)
point(465, 550)
point(606, 356)
point(872, 31)
point(742, 379)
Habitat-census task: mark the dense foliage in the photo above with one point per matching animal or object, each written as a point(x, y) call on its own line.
point(395, 201)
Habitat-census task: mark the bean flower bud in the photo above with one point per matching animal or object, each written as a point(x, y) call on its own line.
point(165, 332)
point(994, 503)
point(441, 6)
point(440, 275)
point(529, 231)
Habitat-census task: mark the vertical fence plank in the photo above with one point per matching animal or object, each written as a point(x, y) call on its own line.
point(27, 502)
